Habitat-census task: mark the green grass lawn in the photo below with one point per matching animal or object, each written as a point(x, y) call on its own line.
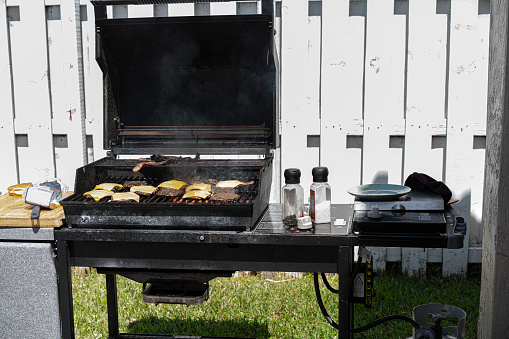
point(251, 306)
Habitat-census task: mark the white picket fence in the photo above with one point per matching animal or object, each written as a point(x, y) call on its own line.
point(372, 89)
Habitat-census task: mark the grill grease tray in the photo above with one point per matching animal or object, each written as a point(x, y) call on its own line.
point(186, 294)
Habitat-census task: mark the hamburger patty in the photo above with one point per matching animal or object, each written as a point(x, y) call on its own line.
point(130, 183)
point(224, 197)
point(169, 192)
point(217, 190)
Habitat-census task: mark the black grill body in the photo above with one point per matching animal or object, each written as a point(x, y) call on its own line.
point(164, 213)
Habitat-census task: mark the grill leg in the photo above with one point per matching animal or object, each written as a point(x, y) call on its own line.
point(65, 290)
point(111, 299)
point(345, 319)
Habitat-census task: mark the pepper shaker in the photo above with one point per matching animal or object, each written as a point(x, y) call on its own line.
point(293, 197)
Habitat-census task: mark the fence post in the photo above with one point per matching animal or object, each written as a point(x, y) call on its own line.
point(495, 269)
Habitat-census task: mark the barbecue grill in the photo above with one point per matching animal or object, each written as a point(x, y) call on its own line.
point(187, 87)
point(193, 86)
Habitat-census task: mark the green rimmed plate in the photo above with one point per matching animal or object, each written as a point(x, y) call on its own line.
point(379, 191)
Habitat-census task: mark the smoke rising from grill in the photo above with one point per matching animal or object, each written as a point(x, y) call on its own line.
point(191, 72)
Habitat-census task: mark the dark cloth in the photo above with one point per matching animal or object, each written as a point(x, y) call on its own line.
point(421, 182)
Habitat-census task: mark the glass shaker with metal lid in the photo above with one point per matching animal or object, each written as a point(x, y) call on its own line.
point(320, 197)
point(293, 197)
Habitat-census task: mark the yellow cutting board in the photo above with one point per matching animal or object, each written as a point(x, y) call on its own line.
point(15, 213)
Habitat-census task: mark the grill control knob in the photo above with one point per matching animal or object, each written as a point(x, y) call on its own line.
point(202, 238)
point(375, 213)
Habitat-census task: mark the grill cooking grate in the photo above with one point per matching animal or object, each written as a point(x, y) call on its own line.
point(247, 193)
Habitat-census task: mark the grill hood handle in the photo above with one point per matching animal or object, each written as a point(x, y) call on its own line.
point(267, 5)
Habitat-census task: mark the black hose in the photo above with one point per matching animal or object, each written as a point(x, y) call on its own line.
point(354, 274)
point(360, 329)
point(329, 287)
point(384, 319)
point(320, 303)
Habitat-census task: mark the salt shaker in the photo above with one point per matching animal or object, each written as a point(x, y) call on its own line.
point(320, 197)
point(293, 197)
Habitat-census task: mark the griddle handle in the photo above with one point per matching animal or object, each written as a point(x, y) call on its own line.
point(36, 212)
point(456, 228)
point(461, 226)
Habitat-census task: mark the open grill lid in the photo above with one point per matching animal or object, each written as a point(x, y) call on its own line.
point(186, 85)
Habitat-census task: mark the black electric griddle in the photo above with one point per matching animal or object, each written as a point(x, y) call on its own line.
point(418, 212)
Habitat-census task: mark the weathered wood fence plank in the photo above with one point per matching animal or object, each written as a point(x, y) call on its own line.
point(384, 93)
point(463, 110)
point(425, 114)
point(93, 92)
point(29, 60)
point(67, 120)
point(299, 117)
point(342, 96)
point(479, 142)
point(7, 132)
